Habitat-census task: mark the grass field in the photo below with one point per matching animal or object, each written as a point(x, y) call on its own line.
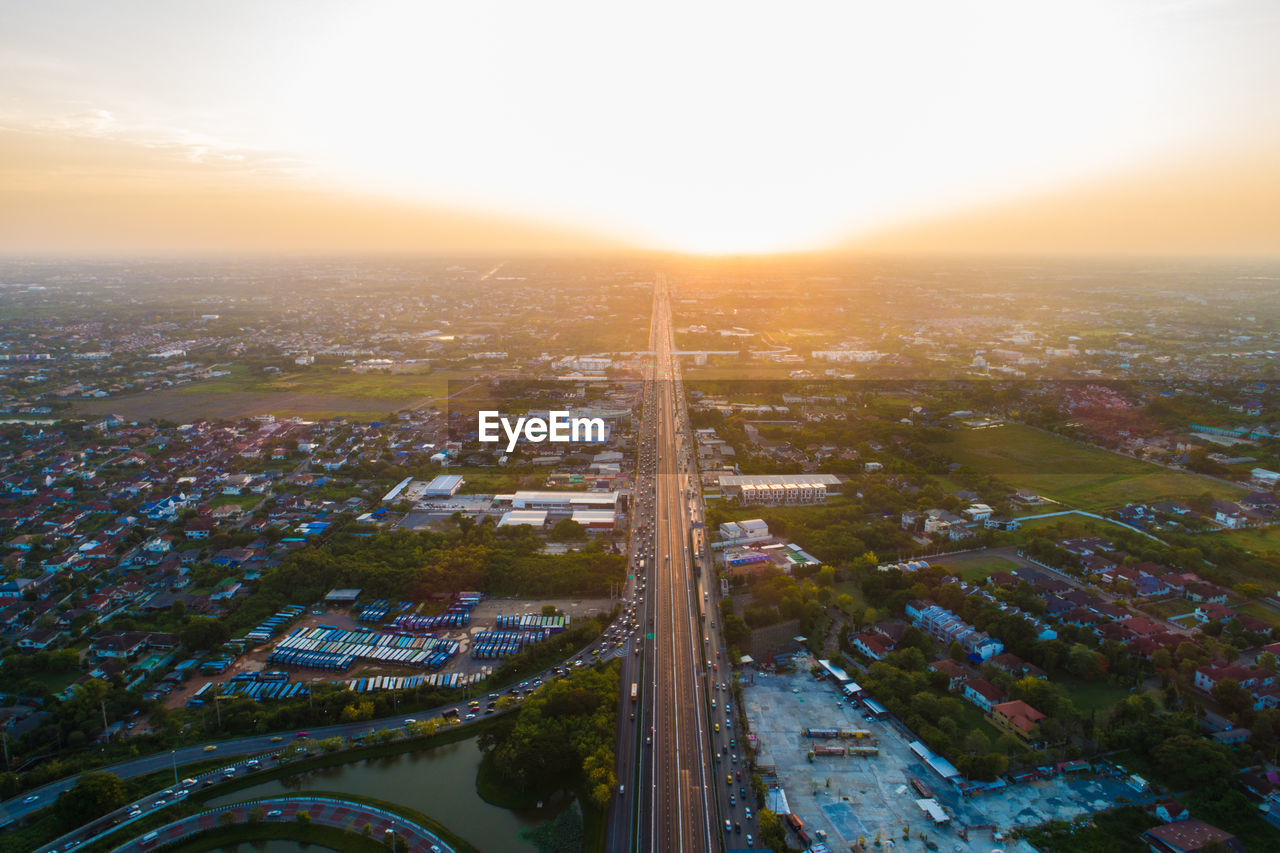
point(1261, 611)
point(975, 567)
point(310, 394)
point(1093, 695)
point(1077, 476)
point(1261, 541)
point(1169, 609)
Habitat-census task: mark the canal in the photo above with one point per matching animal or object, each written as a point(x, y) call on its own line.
point(439, 782)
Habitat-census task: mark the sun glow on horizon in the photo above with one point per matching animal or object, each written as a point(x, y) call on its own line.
point(713, 128)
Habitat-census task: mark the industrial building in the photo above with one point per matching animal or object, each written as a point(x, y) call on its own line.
point(595, 519)
point(443, 486)
point(779, 489)
point(744, 532)
point(561, 502)
point(536, 518)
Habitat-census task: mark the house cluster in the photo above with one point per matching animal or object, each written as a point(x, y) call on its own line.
point(1102, 563)
point(115, 519)
point(1011, 715)
point(1261, 684)
point(944, 525)
point(1256, 509)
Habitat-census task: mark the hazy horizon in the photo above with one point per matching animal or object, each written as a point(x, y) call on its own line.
point(1117, 128)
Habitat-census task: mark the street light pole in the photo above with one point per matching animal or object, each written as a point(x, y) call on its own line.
point(173, 754)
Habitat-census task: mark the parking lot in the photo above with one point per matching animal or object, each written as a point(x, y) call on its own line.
point(851, 797)
point(482, 617)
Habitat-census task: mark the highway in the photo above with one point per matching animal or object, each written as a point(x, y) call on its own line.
point(667, 756)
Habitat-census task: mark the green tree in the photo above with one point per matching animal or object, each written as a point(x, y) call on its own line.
point(95, 793)
point(203, 633)
point(567, 530)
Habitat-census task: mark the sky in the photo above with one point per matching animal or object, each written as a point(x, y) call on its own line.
point(709, 127)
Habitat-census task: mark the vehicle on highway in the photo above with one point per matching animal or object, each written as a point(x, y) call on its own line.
point(275, 813)
point(32, 798)
point(210, 748)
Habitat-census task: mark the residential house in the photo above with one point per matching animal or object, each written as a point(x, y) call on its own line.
point(1202, 591)
point(1019, 719)
point(982, 693)
point(1209, 611)
point(39, 639)
point(871, 645)
point(955, 673)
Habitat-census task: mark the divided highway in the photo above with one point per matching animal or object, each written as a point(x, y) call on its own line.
point(666, 755)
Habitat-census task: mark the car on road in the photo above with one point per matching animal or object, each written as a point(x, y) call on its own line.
point(275, 813)
point(210, 748)
point(276, 739)
point(409, 721)
point(32, 798)
point(300, 735)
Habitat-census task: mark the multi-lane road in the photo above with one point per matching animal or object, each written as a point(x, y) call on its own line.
point(679, 743)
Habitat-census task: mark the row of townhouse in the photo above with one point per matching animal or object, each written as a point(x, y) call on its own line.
point(946, 627)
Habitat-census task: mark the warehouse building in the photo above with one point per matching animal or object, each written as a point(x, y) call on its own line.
point(561, 502)
point(536, 518)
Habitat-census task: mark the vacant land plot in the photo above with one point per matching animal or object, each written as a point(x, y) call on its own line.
point(1074, 474)
point(1262, 541)
point(1093, 695)
point(308, 394)
point(183, 407)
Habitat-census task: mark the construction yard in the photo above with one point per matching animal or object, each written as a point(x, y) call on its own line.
point(845, 799)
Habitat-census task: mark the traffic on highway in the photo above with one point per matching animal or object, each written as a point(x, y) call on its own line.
point(677, 683)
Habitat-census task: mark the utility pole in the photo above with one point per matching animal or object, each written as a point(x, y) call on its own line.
point(173, 754)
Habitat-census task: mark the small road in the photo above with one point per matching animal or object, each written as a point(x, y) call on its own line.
point(324, 811)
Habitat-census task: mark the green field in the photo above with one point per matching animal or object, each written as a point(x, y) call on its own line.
point(1093, 695)
point(1262, 541)
point(1075, 475)
point(375, 386)
point(975, 567)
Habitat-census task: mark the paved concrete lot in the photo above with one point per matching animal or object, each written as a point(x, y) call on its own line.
point(848, 797)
